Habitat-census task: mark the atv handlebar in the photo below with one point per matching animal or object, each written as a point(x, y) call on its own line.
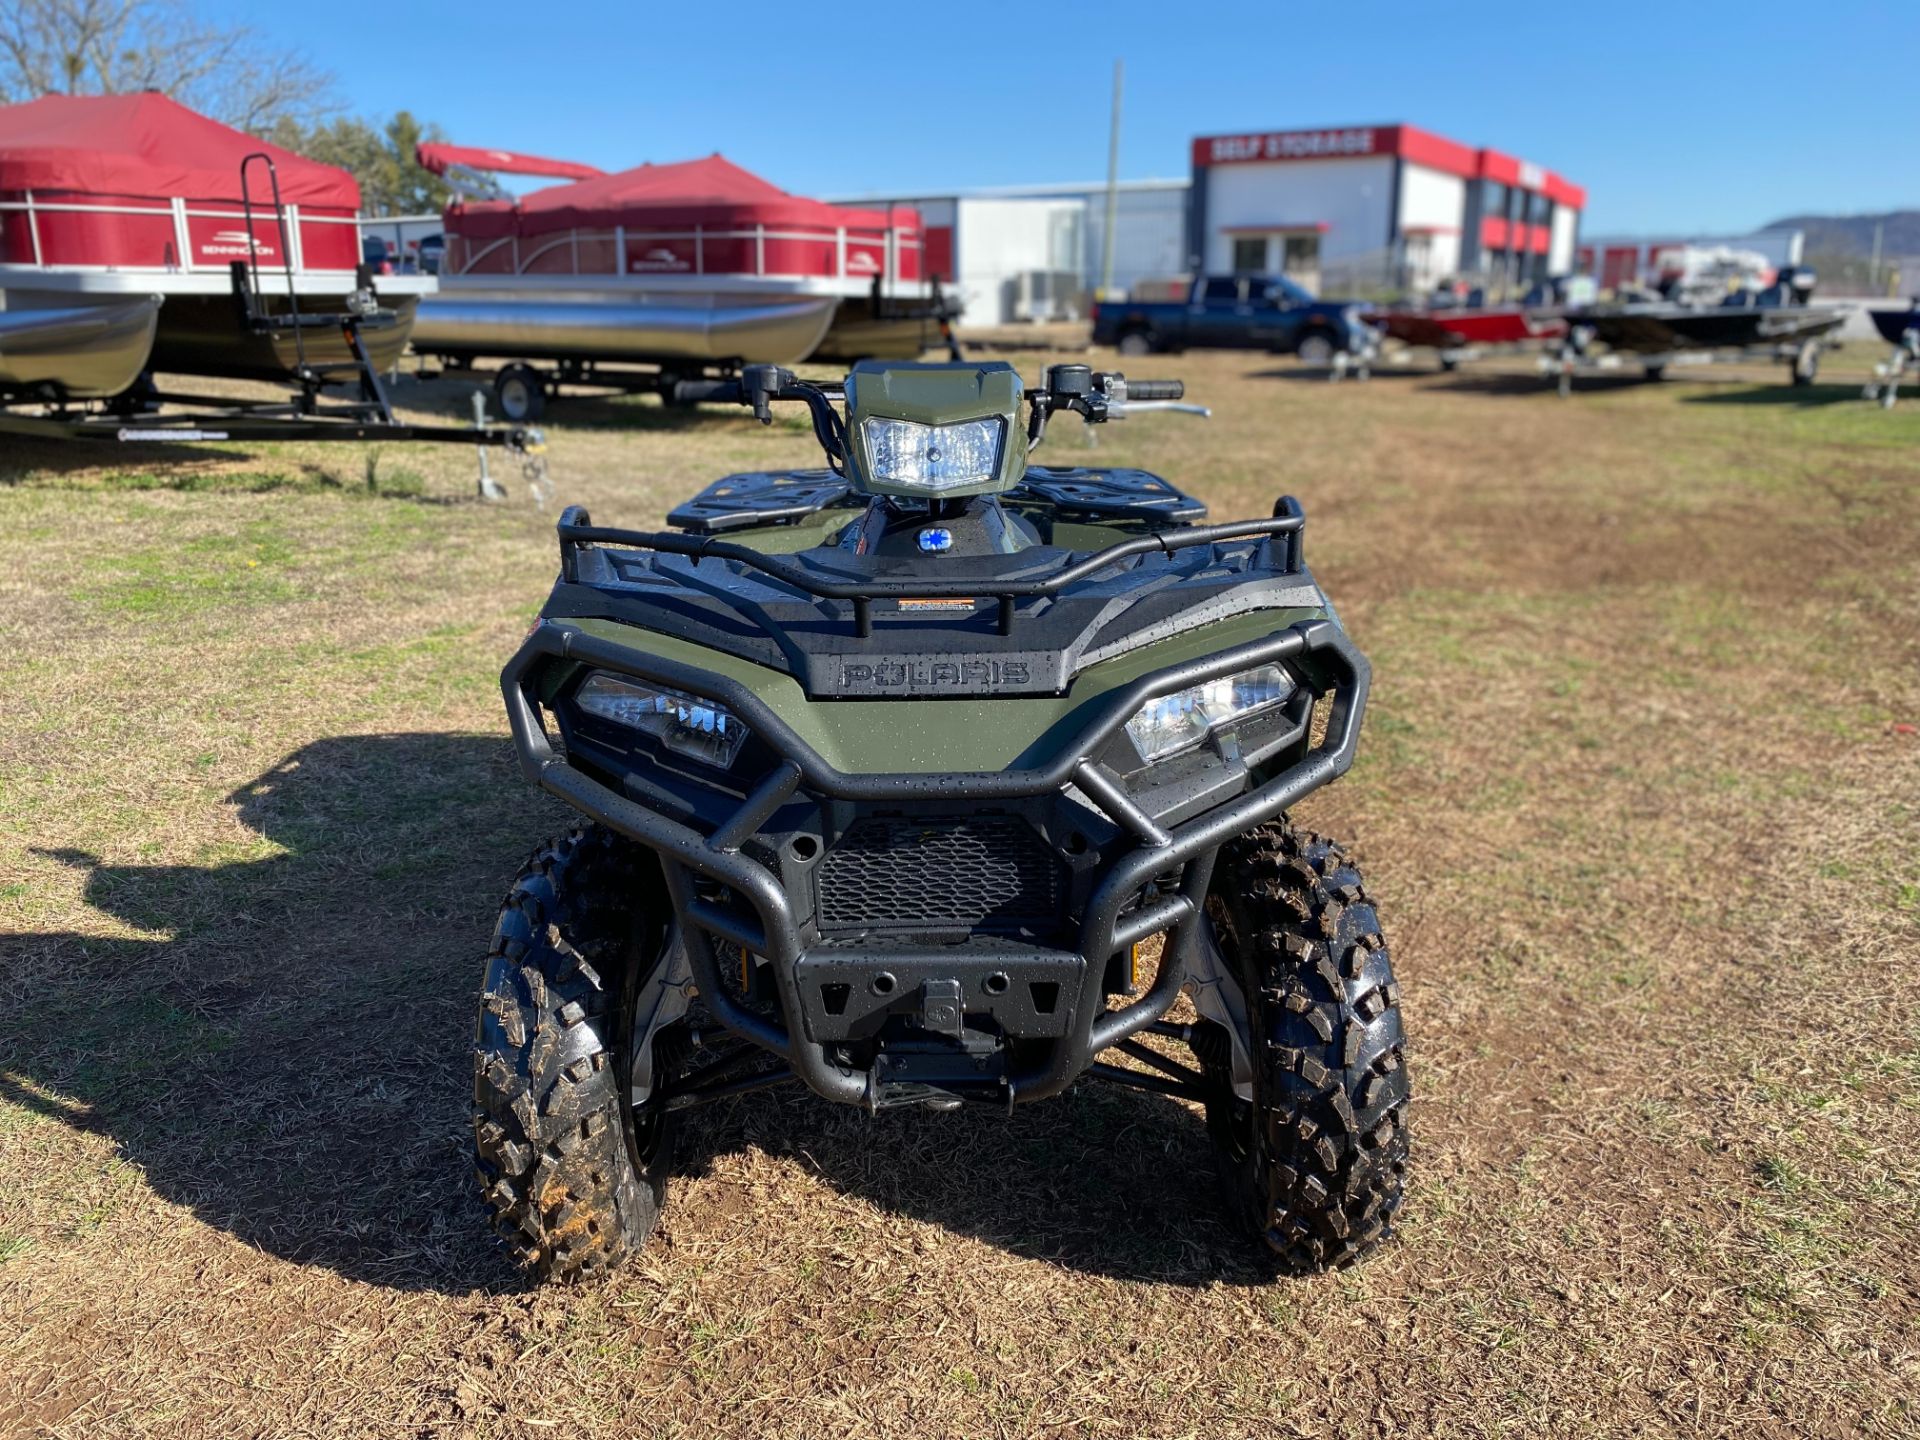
point(1097, 396)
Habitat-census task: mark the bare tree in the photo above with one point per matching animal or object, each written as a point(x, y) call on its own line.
point(110, 47)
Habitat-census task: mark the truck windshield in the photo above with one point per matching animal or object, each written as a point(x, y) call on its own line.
point(1282, 291)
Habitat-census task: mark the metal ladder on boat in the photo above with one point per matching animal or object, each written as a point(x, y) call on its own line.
point(362, 310)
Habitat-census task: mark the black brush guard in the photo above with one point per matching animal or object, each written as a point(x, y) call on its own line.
point(1121, 912)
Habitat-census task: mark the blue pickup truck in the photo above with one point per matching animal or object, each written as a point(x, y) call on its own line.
point(1238, 312)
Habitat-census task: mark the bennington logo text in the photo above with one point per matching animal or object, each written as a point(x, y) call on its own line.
point(932, 674)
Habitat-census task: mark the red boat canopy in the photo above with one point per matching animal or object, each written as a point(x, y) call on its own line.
point(147, 145)
point(440, 158)
point(713, 191)
point(698, 217)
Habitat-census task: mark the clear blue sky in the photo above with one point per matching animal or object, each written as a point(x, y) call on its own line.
point(1689, 115)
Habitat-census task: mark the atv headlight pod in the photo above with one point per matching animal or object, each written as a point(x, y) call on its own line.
point(702, 729)
point(1177, 722)
point(934, 457)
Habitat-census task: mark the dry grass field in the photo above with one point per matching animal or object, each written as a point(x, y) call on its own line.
point(1640, 797)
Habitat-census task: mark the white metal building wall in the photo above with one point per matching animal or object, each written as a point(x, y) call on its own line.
point(995, 241)
point(1561, 241)
point(1150, 231)
point(1353, 198)
point(1433, 202)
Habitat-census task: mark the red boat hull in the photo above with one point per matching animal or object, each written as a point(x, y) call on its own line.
point(1460, 329)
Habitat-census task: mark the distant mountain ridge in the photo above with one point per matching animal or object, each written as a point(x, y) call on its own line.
point(1852, 235)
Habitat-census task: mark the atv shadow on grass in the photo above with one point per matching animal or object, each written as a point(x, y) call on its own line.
point(290, 1059)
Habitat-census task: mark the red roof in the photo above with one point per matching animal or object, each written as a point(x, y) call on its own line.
point(713, 192)
point(147, 145)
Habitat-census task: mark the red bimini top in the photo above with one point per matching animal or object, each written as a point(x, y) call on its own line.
point(697, 216)
point(147, 144)
point(104, 176)
point(439, 157)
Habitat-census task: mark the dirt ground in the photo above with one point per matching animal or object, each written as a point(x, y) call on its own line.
point(1640, 796)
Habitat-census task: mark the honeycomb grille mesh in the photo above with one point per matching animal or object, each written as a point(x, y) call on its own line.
point(976, 872)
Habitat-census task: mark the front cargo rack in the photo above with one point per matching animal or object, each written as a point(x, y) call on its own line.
point(1288, 520)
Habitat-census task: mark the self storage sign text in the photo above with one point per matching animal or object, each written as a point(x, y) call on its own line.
point(1290, 145)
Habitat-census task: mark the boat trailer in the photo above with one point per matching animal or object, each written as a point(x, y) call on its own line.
point(1802, 357)
point(136, 416)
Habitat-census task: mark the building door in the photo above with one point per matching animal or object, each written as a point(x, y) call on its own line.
point(1250, 254)
point(1300, 259)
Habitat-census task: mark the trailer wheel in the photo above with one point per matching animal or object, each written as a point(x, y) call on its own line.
point(1806, 363)
point(521, 393)
point(1136, 342)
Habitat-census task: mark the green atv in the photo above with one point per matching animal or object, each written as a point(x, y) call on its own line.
point(892, 769)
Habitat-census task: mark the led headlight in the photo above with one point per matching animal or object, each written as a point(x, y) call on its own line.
point(688, 724)
point(1176, 722)
point(934, 457)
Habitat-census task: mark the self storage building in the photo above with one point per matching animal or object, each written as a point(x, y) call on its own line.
point(1377, 206)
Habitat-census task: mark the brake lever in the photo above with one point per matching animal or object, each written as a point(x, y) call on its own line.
point(1120, 409)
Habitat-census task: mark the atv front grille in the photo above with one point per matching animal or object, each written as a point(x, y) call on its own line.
point(977, 873)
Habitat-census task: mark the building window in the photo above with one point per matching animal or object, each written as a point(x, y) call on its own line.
point(1249, 254)
point(1300, 255)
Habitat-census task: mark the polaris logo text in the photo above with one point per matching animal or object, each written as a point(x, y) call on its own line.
point(933, 674)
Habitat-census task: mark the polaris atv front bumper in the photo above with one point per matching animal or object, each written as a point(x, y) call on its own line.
point(1049, 999)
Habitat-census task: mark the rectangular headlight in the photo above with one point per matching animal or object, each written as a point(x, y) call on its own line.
point(1183, 719)
point(703, 729)
point(934, 457)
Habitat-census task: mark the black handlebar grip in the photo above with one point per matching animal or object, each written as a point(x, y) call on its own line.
point(1156, 390)
point(695, 392)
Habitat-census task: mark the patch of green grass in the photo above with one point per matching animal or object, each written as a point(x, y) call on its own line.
point(1780, 1174)
point(247, 568)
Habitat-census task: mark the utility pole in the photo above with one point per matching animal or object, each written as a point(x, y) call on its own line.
point(1113, 182)
point(1873, 265)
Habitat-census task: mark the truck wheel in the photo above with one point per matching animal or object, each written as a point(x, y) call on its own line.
point(1316, 349)
point(1315, 1164)
point(573, 1175)
point(520, 393)
point(1135, 342)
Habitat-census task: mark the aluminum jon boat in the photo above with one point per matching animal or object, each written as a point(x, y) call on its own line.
point(1895, 326)
point(1457, 333)
point(1776, 323)
point(106, 201)
point(1900, 329)
point(1668, 329)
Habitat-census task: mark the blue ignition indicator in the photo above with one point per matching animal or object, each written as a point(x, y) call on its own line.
point(935, 539)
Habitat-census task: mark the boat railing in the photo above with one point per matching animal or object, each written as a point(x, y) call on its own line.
point(174, 235)
point(850, 245)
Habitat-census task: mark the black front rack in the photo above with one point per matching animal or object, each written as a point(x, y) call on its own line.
point(1286, 524)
